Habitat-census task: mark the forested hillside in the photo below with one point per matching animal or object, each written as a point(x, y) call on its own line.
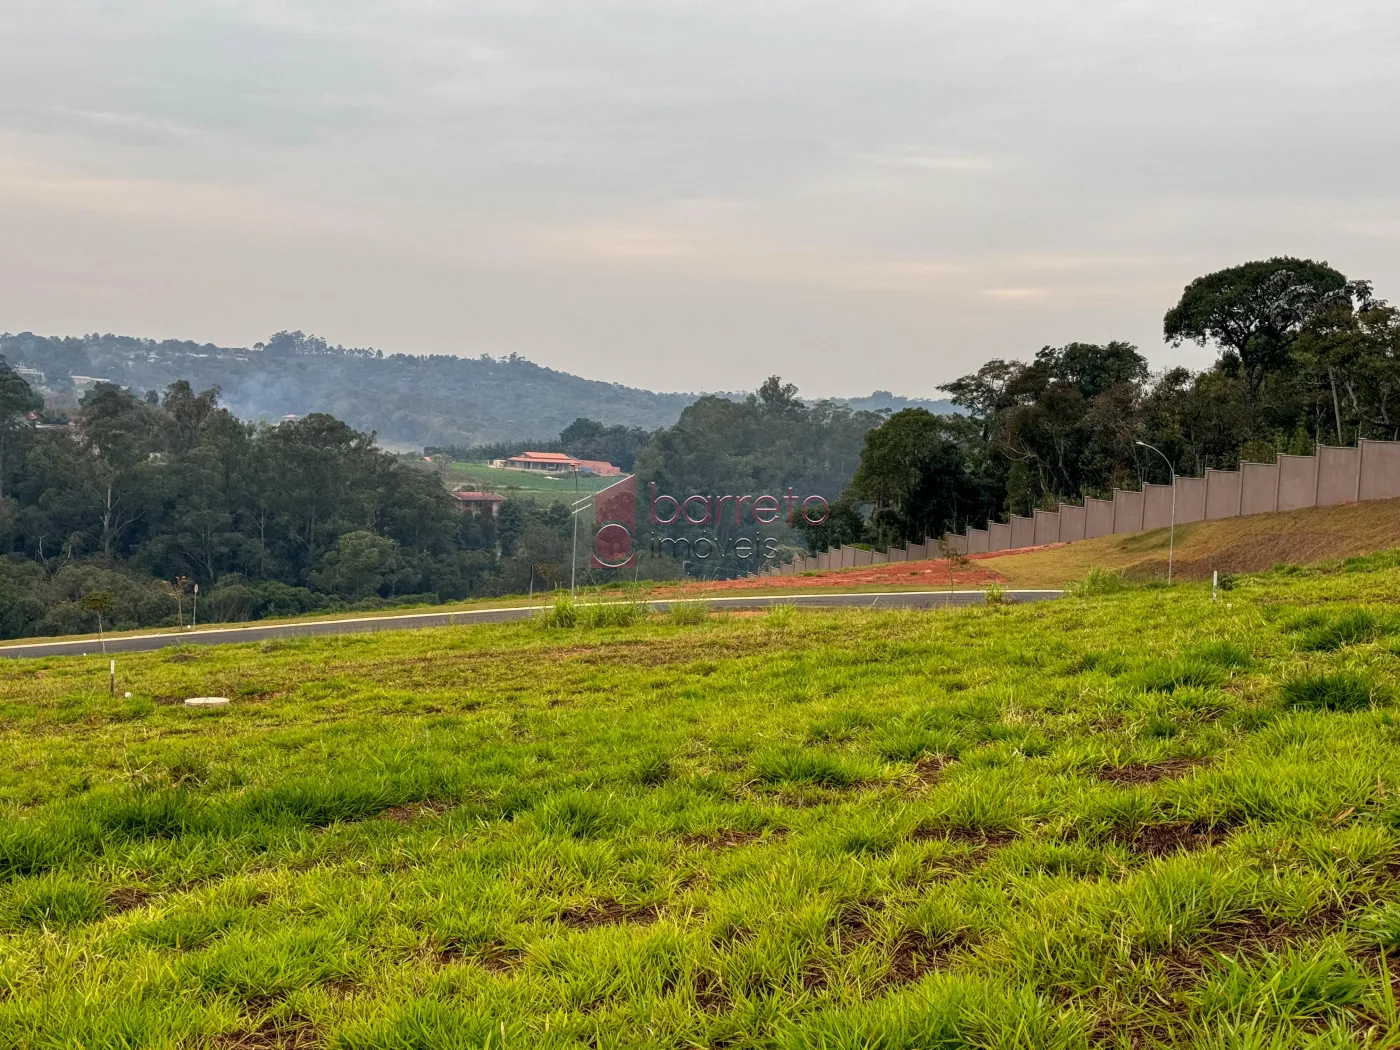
point(408, 401)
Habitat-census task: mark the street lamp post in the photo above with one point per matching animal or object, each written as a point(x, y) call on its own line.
point(579, 507)
point(1171, 535)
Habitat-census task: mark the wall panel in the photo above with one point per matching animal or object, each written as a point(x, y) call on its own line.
point(1258, 488)
point(1127, 511)
point(1297, 482)
point(1047, 527)
point(1098, 519)
point(1380, 469)
point(1156, 506)
point(1338, 475)
point(1222, 494)
point(1071, 523)
point(1022, 532)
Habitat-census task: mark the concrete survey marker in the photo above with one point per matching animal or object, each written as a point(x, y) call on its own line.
point(207, 701)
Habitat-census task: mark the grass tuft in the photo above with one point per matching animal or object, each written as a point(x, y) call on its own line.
point(1336, 691)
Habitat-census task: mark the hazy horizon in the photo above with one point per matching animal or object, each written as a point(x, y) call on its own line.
point(683, 196)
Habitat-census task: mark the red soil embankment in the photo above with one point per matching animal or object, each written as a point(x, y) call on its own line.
point(930, 575)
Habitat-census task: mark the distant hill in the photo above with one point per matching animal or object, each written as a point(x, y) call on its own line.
point(409, 400)
point(882, 400)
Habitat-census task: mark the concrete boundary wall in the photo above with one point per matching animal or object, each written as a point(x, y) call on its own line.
point(1297, 482)
point(895, 554)
point(1331, 476)
point(1127, 511)
point(1338, 475)
point(1190, 500)
point(1380, 469)
point(861, 558)
point(1258, 488)
point(1022, 532)
point(1098, 518)
point(1156, 506)
point(1071, 523)
point(1047, 527)
point(1222, 494)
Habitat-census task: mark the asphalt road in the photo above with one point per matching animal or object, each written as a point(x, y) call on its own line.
point(138, 643)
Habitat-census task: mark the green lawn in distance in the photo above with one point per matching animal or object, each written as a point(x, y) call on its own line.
point(1138, 819)
point(522, 484)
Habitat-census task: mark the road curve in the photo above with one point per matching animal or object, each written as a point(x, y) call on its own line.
point(140, 643)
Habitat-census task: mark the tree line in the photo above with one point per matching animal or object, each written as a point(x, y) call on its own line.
point(149, 496)
point(1305, 356)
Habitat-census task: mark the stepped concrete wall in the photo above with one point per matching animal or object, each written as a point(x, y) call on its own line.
point(1127, 511)
point(1047, 527)
point(1022, 532)
point(1338, 475)
point(1258, 488)
point(1071, 523)
point(1156, 506)
point(1331, 476)
point(1098, 519)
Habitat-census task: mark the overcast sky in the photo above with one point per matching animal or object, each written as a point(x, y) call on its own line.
point(685, 195)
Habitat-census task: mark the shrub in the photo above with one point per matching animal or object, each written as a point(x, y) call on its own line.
point(1341, 691)
point(687, 614)
point(995, 594)
point(1098, 581)
point(780, 614)
point(613, 614)
point(564, 614)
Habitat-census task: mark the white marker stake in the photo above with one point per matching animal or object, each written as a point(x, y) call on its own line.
point(1214, 584)
point(112, 679)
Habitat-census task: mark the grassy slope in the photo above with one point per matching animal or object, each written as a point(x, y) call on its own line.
point(1248, 544)
point(996, 827)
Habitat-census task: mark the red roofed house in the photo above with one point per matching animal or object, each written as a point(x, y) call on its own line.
point(558, 463)
point(478, 502)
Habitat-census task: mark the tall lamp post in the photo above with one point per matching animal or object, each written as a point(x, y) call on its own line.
point(1171, 535)
point(579, 507)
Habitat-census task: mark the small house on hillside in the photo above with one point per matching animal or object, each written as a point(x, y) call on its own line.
point(558, 463)
point(479, 503)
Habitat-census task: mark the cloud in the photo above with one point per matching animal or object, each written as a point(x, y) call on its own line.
point(834, 188)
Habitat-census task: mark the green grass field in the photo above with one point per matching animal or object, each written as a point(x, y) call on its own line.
point(522, 484)
point(1131, 819)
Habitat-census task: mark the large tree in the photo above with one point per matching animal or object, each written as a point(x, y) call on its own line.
point(1253, 313)
point(17, 400)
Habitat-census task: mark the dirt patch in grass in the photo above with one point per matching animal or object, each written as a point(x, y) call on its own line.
point(710, 993)
point(980, 838)
point(607, 913)
point(914, 955)
point(1160, 840)
point(729, 838)
point(270, 1035)
point(1172, 769)
point(414, 811)
point(126, 898)
point(929, 770)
